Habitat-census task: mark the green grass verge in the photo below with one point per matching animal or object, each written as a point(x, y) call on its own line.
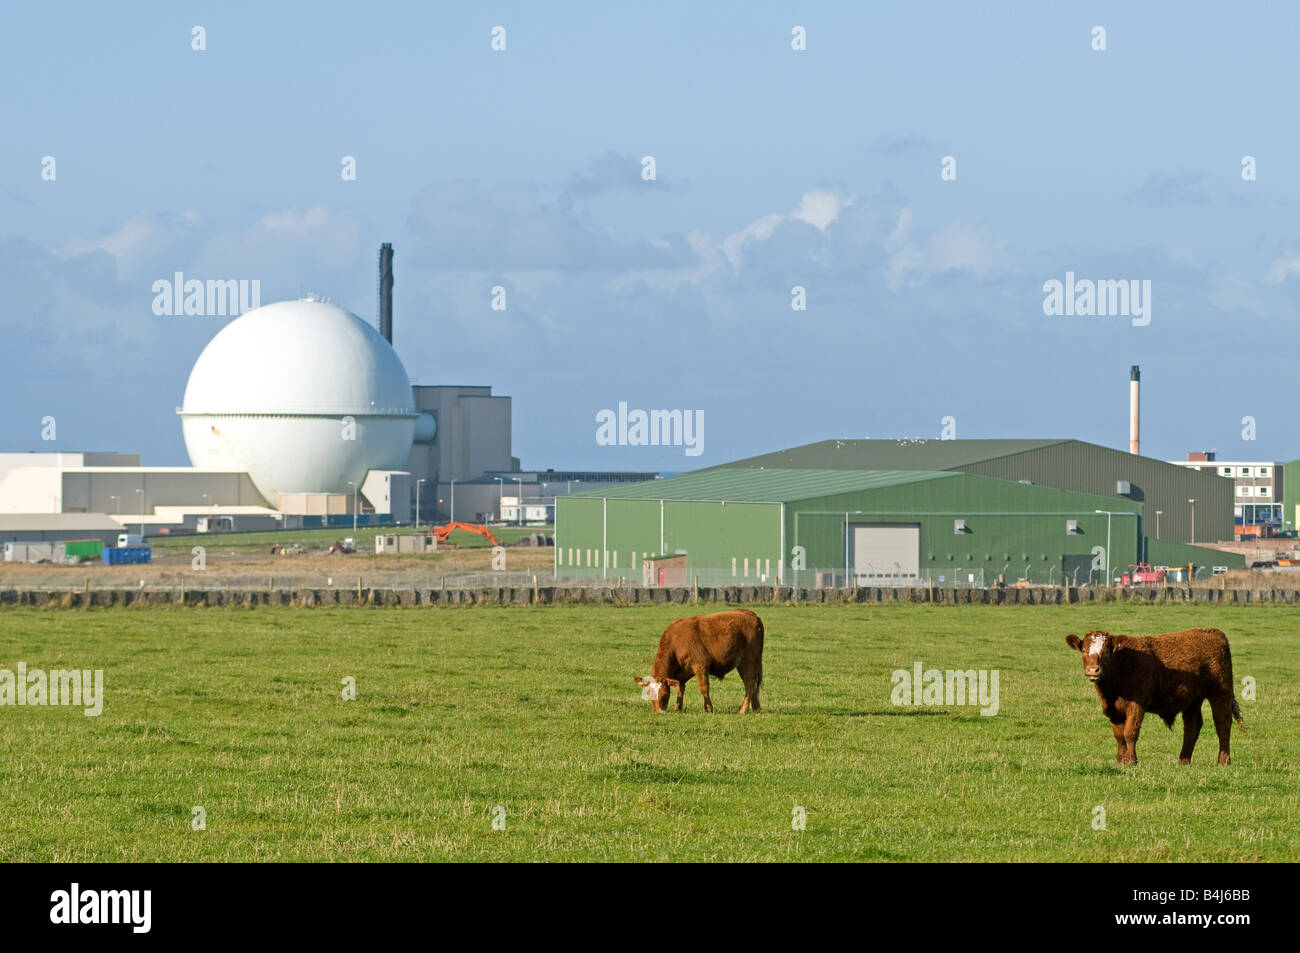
point(461, 711)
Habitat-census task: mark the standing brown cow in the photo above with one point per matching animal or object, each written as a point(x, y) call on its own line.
point(705, 645)
point(1165, 675)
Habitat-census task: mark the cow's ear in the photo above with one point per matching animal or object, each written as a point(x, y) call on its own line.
point(673, 683)
point(639, 680)
point(1074, 642)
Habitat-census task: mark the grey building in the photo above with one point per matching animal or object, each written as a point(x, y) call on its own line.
point(472, 438)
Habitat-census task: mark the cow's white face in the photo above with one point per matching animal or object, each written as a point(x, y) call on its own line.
point(656, 691)
point(1096, 648)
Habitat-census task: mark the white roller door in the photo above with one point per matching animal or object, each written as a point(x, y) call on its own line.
point(885, 553)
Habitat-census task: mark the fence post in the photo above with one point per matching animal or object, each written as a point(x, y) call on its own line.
point(695, 590)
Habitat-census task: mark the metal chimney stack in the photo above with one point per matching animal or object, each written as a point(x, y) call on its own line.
point(1134, 379)
point(386, 291)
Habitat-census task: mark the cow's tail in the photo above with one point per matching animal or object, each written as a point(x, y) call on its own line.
point(1236, 713)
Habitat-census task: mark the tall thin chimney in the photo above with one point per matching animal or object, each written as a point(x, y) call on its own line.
point(386, 291)
point(1134, 378)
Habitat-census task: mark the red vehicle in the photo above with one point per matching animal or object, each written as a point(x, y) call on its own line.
point(1141, 574)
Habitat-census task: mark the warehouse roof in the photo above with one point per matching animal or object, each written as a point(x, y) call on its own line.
point(760, 485)
point(891, 454)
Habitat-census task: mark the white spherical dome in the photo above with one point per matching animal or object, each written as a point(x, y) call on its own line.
point(270, 392)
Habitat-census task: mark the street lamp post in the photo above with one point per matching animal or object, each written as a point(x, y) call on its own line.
point(501, 489)
point(519, 500)
point(1193, 502)
point(453, 502)
point(417, 502)
point(354, 507)
point(140, 490)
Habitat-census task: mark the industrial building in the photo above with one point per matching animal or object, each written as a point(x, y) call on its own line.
point(738, 526)
point(497, 493)
point(892, 512)
point(1257, 489)
point(297, 413)
point(1179, 504)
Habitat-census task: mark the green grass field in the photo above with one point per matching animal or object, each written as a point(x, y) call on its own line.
point(462, 711)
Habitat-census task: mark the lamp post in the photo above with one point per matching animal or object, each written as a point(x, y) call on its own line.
point(501, 489)
point(519, 500)
point(117, 506)
point(354, 506)
point(209, 505)
point(140, 490)
point(453, 502)
point(1193, 502)
point(417, 502)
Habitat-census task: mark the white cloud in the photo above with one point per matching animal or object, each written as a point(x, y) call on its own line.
point(318, 231)
point(958, 246)
point(137, 240)
point(817, 207)
point(1287, 264)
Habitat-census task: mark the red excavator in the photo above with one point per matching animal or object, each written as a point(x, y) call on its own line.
point(442, 532)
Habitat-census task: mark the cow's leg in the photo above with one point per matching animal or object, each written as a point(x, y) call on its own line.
point(702, 676)
point(752, 676)
point(1132, 726)
point(1192, 721)
point(1121, 748)
point(1221, 709)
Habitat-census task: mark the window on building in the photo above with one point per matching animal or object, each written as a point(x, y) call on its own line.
point(1265, 491)
point(1225, 471)
point(1264, 471)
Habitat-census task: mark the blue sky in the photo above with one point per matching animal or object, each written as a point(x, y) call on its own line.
point(775, 168)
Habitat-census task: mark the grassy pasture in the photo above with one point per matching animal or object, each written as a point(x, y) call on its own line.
point(462, 711)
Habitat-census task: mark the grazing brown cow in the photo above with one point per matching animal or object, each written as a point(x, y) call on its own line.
point(705, 645)
point(1165, 675)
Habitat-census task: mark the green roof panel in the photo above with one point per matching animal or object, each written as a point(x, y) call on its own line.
point(755, 485)
point(890, 454)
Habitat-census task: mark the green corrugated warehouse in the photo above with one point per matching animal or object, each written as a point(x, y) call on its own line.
point(808, 527)
point(1064, 464)
point(1291, 495)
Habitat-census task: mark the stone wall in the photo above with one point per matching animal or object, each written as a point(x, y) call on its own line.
point(628, 595)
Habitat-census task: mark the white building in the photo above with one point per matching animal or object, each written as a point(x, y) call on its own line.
point(1257, 485)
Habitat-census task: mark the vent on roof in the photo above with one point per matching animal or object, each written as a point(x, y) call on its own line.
point(1123, 487)
point(958, 527)
point(1071, 527)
